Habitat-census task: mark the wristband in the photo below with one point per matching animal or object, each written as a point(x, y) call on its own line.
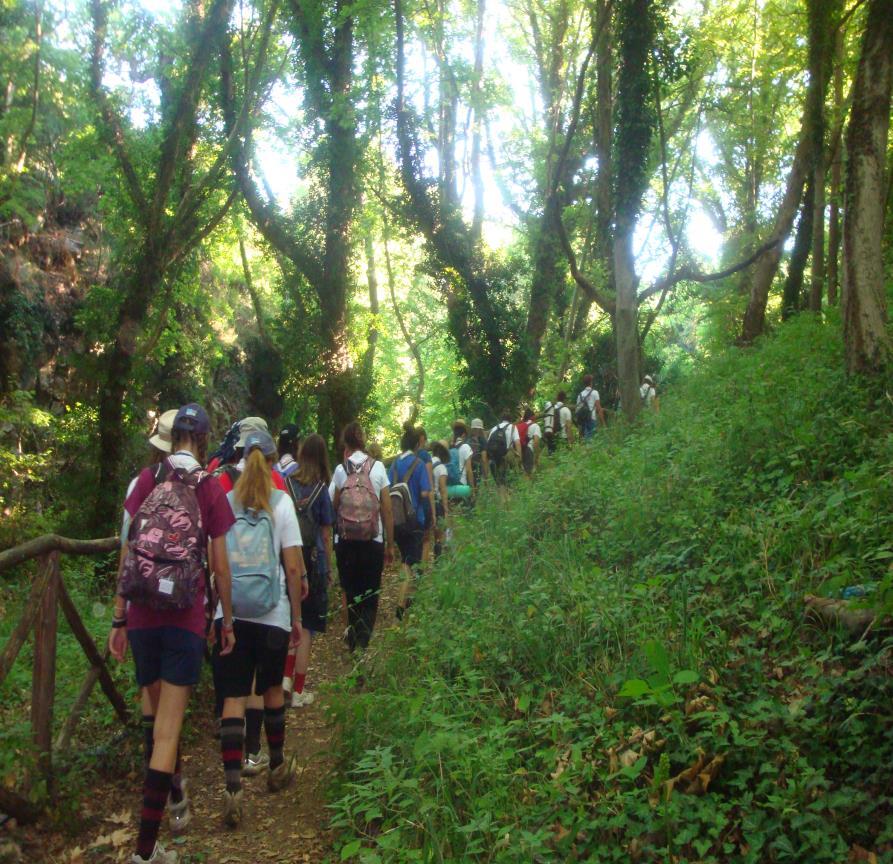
point(117, 623)
point(228, 627)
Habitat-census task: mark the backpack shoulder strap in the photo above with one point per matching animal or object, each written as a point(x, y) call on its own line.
point(412, 468)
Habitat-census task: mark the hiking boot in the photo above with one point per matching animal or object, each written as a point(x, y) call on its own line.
point(302, 700)
point(232, 808)
point(159, 856)
point(179, 815)
point(254, 764)
point(281, 776)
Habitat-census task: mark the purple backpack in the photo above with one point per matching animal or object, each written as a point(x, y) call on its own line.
point(165, 564)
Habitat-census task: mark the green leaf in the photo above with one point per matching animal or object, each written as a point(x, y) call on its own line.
point(686, 676)
point(633, 688)
point(350, 849)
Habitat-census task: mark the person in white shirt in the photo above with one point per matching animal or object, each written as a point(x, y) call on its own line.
point(649, 394)
point(512, 438)
point(589, 401)
point(440, 458)
point(361, 562)
point(460, 435)
point(531, 439)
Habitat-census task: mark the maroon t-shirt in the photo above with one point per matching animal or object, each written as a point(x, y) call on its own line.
point(217, 517)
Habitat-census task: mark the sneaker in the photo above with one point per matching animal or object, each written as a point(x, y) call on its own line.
point(232, 808)
point(302, 700)
point(180, 815)
point(159, 856)
point(281, 776)
point(254, 764)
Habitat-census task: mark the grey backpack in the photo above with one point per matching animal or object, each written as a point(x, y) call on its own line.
point(252, 559)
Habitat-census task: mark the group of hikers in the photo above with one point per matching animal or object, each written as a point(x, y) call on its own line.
point(236, 550)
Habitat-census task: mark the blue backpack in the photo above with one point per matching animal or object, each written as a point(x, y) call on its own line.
point(454, 473)
point(253, 560)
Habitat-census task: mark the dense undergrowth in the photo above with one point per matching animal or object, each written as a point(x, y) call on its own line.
point(617, 667)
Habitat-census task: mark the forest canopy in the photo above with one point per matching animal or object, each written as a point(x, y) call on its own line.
point(416, 209)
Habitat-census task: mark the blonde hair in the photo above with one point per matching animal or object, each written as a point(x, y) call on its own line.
point(254, 488)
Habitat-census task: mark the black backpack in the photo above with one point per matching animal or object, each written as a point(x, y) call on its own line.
point(552, 421)
point(583, 413)
point(306, 518)
point(497, 449)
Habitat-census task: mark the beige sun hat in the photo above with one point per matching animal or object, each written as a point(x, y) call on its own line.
point(249, 425)
point(477, 423)
point(161, 437)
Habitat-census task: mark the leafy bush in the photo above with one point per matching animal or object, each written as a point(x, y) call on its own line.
point(616, 666)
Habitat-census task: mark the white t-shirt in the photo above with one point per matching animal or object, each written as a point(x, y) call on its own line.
point(510, 431)
point(286, 535)
point(440, 470)
point(533, 431)
point(648, 393)
point(590, 397)
point(565, 418)
point(465, 454)
point(377, 474)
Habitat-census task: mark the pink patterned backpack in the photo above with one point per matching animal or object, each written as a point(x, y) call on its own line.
point(165, 563)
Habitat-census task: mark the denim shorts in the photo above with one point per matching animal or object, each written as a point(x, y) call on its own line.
point(169, 654)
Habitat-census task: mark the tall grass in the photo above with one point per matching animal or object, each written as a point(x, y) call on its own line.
point(615, 666)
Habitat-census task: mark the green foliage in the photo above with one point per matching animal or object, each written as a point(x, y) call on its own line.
point(616, 665)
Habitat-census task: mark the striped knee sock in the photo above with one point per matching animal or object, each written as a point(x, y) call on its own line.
point(155, 792)
point(300, 680)
point(254, 721)
point(232, 740)
point(274, 726)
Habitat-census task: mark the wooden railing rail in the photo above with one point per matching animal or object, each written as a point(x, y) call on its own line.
point(41, 614)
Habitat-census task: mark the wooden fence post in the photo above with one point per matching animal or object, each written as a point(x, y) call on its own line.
point(43, 678)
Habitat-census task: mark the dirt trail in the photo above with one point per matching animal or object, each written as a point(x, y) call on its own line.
point(291, 826)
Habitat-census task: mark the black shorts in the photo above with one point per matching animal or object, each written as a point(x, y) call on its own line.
point(315, 608)
point(259, 657)
point(169, 654)
point(410, 545)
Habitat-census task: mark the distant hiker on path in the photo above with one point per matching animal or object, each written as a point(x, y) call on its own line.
point(648, 392)
point(588, 413)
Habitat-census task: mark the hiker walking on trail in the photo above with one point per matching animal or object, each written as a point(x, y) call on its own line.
point(422, 451)
point(231, 472)
point(477, 440)
point(648, 392)
point(160, 603)
point(461, 481)
point(288, 445)
point(503, 448)
point(178, 811)
point(588, 412)
point(266, 611)
point(309, 489)
point(365, 533)
point(440, 459)
point(558, 422)
point(410, 493)
point(531, 436)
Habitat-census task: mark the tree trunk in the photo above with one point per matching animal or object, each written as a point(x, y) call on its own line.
point(547, 278)
point(767, 265)
point(863, 300)
point(836, 178)
point(793, 285)
point(477, 179)
point(626, 325)
point(604, 130)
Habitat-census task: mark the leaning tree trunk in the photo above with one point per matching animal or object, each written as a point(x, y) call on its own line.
point(863, 301)
point(626, 325)
point(793, 285)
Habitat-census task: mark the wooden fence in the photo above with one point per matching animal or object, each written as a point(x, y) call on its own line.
point(47, 595)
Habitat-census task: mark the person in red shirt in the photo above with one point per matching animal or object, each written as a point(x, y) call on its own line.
point(168, 644)
point(229, 474)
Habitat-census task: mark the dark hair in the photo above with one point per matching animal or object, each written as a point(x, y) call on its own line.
point(421, 433)
point(561, 396)
point(459, 429)
point(313, 464)
point(587, 380)
point(410, 439)
point(441, 452)
point(354, 437)
point(528, 414)
point(288, 443)
point(180, 438)
point(507, 415)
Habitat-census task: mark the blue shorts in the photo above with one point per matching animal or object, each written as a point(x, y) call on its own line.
point(170, 654)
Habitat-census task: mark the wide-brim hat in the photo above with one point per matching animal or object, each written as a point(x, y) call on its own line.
point(477, 423)
point(161, 437)
point(249, 425)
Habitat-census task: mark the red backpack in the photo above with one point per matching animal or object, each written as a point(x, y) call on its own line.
point(522, 428)
point(165, 563)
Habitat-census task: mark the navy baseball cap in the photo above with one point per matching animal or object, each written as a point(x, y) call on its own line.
point(192, 418)
point(260, 440)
